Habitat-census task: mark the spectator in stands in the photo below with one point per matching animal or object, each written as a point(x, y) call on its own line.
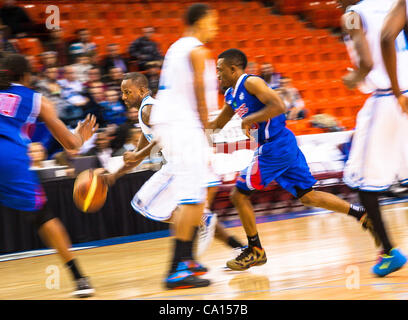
point(145, 51)
point(16, 19)
point(131, 142)
point(34, 69)
point(37, 154)
point(94, 76)
point(114, 59)
point(58, 45)
point(82, 67)
point(49, 86)
point(102, 148)
point(72, 89)
point(292, 99)
point(5, 45)
point(122, 132)
point(113, 110)
point(271, 77)
point(114, 79)
point(96, 95)
point(83, 45)
point(252, 68)
point(153, 75)
point(48, 60)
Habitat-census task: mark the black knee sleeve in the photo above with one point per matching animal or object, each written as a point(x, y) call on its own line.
point(301, 192)
point(38, 218)
point(245, 192)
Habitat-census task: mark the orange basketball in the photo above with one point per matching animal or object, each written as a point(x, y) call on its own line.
point(90, 191)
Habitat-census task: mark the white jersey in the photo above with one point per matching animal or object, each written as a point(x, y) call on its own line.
point(373, 14)
point(176, 94)
point(147, 131)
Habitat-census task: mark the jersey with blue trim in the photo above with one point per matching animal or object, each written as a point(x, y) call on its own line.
point(372, 14)
point(19, 108)
point(147, 131)
point(245, 104)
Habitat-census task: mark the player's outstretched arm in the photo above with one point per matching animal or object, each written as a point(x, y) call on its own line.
point(274, 105)
point(393, 25)
point(352, 25)
point(222, 119)
point(132, 159)
point(68, 140)
point(198, 57)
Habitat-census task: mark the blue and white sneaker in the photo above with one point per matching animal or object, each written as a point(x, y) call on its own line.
point(206, 233)
point(183, 278)
point(389, 263)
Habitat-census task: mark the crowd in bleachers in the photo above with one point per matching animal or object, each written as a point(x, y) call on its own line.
point(79, 80)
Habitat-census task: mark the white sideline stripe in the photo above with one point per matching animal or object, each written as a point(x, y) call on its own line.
point(35, 253)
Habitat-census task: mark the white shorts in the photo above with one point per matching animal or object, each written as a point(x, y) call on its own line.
point(379, 151)
point(175, 184)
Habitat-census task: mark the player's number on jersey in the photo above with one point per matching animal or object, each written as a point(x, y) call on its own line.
point(401, 43)
point(9, 104)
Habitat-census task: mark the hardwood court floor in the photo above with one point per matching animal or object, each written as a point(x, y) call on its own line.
point(313, 257)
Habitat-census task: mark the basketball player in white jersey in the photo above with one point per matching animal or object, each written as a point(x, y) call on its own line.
point(188, 85)
point(155, 200)
point(395, 29)
point(377, 156)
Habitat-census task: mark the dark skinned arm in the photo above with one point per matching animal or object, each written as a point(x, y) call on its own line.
point(358, 37)
point(223, 118)
point(134, 158)
point(69, 140)
point(393, 25)
point(274, 105)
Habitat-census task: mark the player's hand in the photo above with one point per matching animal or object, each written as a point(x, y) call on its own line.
point(403, 102)
point(351, 80)
point(246, 127)
point(109, 179)
point(130, 157)
point(87, 128)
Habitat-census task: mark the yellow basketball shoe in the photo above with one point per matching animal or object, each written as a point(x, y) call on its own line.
point(249, 257)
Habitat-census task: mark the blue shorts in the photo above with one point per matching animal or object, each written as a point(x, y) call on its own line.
point(20, 187)
point(280, 160)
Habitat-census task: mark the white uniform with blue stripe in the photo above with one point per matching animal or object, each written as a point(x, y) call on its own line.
point(379, 153)
point(177, 123)
point(157, 199)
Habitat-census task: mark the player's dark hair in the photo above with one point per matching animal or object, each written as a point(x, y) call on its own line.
point(137, 78)
point(195, 12)
point(234, 57)
point(12, 69)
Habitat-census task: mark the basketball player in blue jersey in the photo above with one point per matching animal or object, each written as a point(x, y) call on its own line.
point(277, 158)
point(20, 189)
point(155, 200)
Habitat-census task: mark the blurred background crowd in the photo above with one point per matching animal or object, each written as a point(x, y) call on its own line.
point(81, 76)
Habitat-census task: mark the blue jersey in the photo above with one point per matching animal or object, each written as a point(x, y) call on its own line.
point(278, 157)
point(19, 108)
point(245, 104)
point(19, 186)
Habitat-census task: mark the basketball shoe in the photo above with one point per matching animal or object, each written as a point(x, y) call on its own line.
point(183, 278)
point(389, 263)
point(195, 267)
point(206, 233)
point(249, 257)
point(84, 288)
